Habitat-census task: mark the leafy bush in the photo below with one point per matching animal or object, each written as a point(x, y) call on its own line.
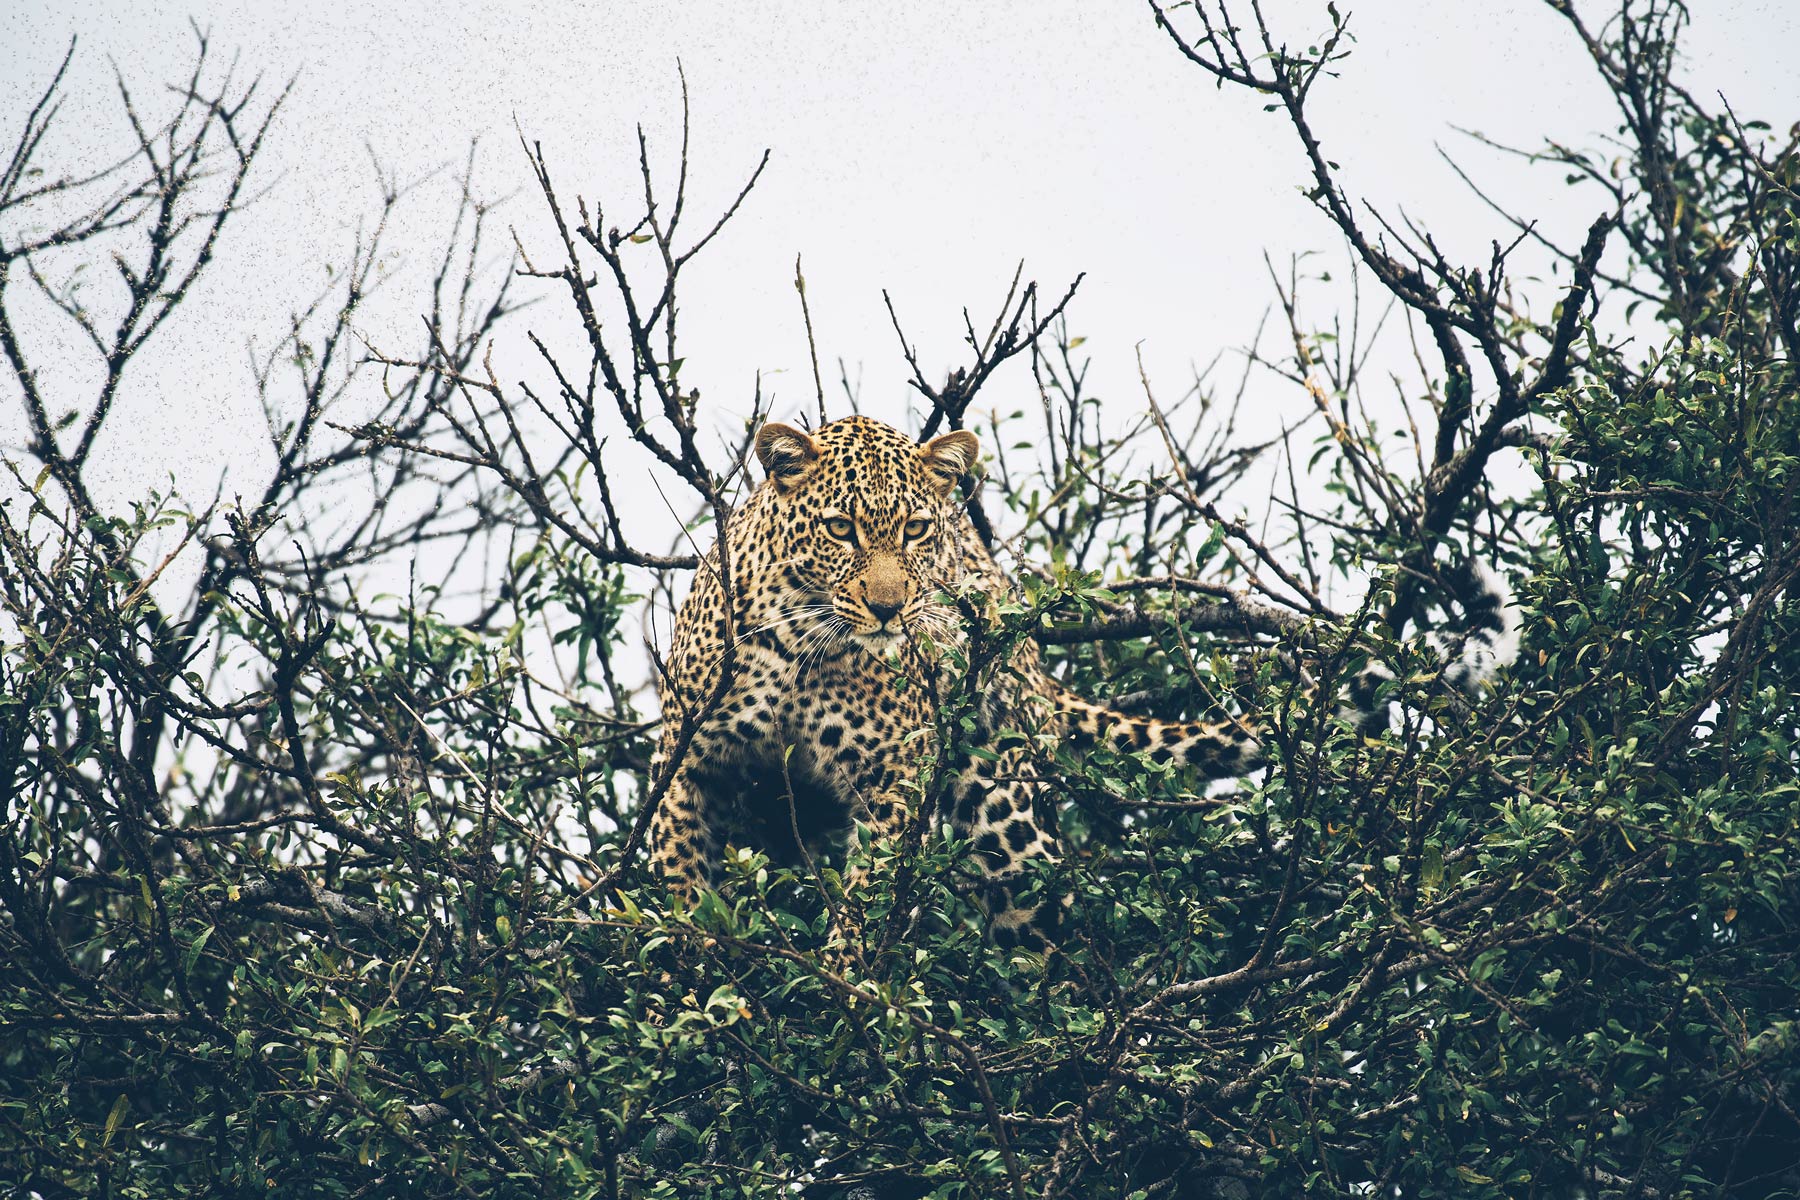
point(307, 893)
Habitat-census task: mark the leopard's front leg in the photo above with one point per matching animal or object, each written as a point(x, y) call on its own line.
point(880, 798)
point(994, 805)
point(735, 730)
point(684, 839)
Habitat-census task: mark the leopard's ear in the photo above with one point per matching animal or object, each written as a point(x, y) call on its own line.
point(786, 453)
point(949, 457)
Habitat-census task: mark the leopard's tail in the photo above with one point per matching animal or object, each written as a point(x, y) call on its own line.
point(1216, 749)
point(1486, 644)
point(1489, 640)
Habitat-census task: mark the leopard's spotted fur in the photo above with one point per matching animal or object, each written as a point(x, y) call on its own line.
point(839, 563)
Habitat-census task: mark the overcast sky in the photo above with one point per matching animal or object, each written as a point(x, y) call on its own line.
point(920, 147)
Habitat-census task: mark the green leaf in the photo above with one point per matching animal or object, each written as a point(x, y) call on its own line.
point(121, 1107)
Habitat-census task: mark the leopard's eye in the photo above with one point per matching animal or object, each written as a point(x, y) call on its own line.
point(915, 529)
point(839, 528)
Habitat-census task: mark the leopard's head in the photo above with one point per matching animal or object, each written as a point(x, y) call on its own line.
point(869, 520)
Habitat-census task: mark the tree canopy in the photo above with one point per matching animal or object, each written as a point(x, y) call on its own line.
point(307, 891)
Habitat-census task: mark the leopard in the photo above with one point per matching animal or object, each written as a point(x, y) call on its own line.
point(813, 656)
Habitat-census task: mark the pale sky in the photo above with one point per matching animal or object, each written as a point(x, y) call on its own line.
point(922, 147)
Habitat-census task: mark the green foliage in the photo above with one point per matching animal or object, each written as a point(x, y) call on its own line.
point(359, 913)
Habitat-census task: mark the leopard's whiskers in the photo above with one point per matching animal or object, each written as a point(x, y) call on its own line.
point(785, 616)
point(938, 622)
point(823, 637)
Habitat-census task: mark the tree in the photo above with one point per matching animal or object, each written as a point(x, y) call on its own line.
point(315, 894)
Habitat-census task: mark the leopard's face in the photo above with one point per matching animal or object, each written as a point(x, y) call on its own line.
point(864, 520)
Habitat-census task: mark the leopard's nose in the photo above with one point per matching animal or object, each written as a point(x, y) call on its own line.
point(883, 612)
